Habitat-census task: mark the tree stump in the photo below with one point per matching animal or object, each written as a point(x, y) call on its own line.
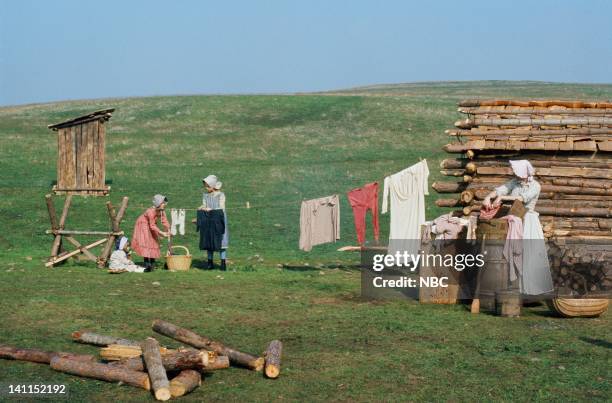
point(155, 368)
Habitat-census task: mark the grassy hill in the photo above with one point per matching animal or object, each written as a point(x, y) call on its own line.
point(274, 151)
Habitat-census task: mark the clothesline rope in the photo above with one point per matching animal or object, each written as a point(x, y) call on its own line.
point(292, 203)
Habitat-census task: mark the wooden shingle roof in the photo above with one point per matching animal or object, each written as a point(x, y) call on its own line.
point(97, 115)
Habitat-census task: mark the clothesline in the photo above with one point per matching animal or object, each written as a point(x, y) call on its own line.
point(248, 206)
point(320, 217)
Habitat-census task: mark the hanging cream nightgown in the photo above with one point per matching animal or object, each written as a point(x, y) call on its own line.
point(407, 190)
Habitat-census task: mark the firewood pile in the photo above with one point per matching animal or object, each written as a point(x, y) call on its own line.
point(167, 372)
point(570, 146)
point(581, 269)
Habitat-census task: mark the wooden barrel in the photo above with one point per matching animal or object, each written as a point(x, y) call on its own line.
point(579, 307)
point(492, 229)
point(508, 303)
point(494, 275)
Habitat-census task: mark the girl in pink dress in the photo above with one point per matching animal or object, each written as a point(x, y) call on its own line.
point(145, 240)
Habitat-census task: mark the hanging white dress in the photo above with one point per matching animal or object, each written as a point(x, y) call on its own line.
point(407, 190)
point(535, 278)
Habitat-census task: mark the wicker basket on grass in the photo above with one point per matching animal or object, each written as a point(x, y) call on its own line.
point(178, 262)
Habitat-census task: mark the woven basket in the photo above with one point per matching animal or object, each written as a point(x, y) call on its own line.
point(178, 262)
point(574, 308)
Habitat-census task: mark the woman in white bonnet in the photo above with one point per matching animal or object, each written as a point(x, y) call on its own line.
point(214, 199)
point(536, 278)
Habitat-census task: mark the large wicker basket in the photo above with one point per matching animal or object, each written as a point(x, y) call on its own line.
point(575, 307)
point(178, 262)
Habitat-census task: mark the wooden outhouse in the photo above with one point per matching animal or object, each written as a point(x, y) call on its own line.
point(80, 158)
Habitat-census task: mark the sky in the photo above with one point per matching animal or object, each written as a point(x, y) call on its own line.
point(69, 49)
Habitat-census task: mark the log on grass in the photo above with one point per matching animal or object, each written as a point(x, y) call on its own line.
point(39, 356)
point(155, 368)
point(115, 352)
point(103, 372)
point(173, 361)
point(197, 341)
point(95, 339)
point(185, 382)
point(220, 362)
point(273, 359)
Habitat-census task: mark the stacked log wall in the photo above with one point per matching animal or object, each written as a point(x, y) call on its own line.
point(569, 143)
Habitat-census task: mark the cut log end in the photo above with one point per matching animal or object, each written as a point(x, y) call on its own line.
point(155, 368)
point(220, 362)
point(467, 196)
point(272, 371)
point(258, 364)
point(163, 394)
point(177, 390)
point(185, 382)
point(470, 167)
point(273, 358)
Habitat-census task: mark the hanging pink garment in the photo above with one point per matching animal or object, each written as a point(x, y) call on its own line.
point(363, 199)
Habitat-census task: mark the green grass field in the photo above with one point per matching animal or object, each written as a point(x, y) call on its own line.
point(273, 151)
